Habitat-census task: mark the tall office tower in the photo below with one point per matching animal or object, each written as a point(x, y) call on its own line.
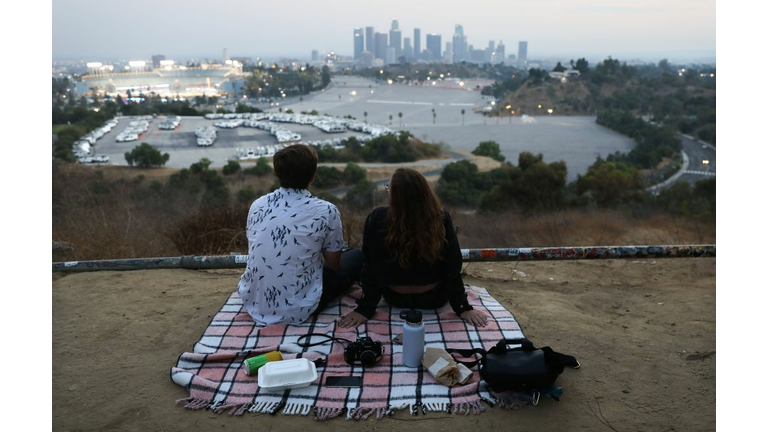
point(395, 41)
point(359, 42)
point(500, 51)
point(224, 56)
point(370, 45)
point(407, 49)
point(315, 55)
point(448, 56)
point(156, 60)
point(459, 44)
point(522, 51)
point(416, 43)
point(380, 45)
point(434, 43)
point(390, 56)
point(395, 25)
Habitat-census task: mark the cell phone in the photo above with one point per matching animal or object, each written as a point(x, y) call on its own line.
point(344, 381)
point(398, 339)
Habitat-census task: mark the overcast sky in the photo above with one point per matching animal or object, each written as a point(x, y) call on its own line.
point(112, 29)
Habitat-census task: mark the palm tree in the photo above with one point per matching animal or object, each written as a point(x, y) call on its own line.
point(365, 114)
point(434, 116)
point(390, 119)
point(301, 99)
point(462, 117)
point(401, 118)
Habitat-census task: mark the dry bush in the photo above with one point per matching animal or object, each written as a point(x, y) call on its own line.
point(579, 227)
point(101, 219)
point(212, 231)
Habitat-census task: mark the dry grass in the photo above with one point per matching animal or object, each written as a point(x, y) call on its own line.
point(107, 213)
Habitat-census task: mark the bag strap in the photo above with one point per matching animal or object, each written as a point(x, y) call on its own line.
point(565, 359)
point(467, 353)
point(526, 345)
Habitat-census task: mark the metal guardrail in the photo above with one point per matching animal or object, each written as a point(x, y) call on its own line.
point(468, 255)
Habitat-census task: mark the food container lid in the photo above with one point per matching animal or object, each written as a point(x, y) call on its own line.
point(287, 374)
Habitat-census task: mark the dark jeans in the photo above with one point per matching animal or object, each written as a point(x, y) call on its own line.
point(432, 299)
point(337, 283)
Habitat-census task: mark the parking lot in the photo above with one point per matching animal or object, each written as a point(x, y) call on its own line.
point(181, 143)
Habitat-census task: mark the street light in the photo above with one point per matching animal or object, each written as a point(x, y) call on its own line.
point(550, 110)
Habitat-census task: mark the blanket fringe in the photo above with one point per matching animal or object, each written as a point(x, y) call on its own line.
point(234, 409)
point(191, 403)
point(297, 409)
point(264, 407)
point(465, 408)
point(511, 402)
point(323, 414)
point(364, 413)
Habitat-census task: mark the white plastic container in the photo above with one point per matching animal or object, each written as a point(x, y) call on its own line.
point(287, 374)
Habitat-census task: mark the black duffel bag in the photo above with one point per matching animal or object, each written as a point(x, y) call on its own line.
point(523, 369)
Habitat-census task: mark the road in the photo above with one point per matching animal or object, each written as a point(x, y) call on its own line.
point(698, 152)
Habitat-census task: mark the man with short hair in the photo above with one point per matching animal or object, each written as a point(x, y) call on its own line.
point(294, 246)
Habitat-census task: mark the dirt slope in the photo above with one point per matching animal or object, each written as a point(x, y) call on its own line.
point(644, 332)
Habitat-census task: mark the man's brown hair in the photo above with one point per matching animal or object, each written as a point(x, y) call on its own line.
point(295, 166)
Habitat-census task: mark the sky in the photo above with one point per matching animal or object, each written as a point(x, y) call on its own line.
point(181, 29)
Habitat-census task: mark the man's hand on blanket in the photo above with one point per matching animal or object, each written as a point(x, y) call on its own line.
point(352, 319)
point(474, 317)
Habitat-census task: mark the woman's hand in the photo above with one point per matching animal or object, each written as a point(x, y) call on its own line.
point(474, 317)
point(352, 319)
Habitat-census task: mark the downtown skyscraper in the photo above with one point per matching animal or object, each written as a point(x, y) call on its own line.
point(369, 43)
point(417, 43)
point(359, 42)
point(395, 39)
point(434, 47)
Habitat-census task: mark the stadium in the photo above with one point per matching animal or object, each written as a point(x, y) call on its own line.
point(182, 81)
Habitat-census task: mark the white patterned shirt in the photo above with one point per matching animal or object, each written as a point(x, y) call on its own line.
point(287, 231)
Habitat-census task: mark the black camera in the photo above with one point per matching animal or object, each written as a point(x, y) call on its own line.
point(364, 350)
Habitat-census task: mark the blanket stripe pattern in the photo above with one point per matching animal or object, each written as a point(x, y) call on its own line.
point(215, 378)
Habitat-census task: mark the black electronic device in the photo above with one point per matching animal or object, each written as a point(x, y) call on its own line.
point(344, 381)
point(365, 350)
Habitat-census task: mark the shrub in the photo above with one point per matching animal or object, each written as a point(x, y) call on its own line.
point(354, 173)
point(247, 195)
point(231, 167)
point(361, 195)
point(145, 156)
point(490, 149)
point(327, 177)
point(261, 168)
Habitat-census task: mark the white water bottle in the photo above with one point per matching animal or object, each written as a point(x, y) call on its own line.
point(413, 338)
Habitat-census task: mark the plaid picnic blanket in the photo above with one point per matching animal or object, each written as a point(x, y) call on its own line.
point(214, 376)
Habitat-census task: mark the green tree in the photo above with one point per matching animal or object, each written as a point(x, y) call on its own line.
point(327, 177)
point(559, 68)
point(361, 194)
point(326, 76)
point(462, 116)
point(247, 195)
point(490, 149)
point(200, 166)
point(231, 167)
point(400, 115)
point(354, 173)
point(261, 168)
point(365, 114)
point(610, 183)
point(145, 156)
point(582, 65)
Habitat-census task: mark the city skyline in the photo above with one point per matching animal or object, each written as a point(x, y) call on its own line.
point(555, 28)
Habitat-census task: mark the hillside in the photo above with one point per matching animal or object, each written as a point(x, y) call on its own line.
point(644, 332)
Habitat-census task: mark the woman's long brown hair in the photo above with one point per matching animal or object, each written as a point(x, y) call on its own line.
point(414, 220)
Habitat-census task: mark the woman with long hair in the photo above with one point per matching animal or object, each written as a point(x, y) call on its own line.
point(412, 255)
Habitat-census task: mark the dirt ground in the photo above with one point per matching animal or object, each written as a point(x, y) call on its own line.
point(644, 332)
